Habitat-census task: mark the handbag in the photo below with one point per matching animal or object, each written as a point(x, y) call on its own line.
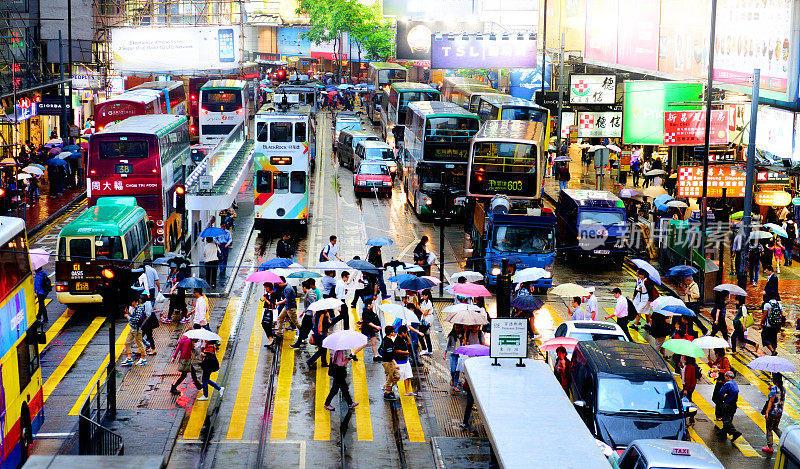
point(311, 340)
point(160, 298)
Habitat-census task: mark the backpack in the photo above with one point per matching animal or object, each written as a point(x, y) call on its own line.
point(321, 257)
point(47, 285)
point(775, 315)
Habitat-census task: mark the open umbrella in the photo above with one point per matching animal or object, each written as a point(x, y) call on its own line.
point(655, 172)
point(415, 284)
point(30, 169)
point(36, 165)
point(202, 334)
point(731, 288)
point(39, 258)
point(662, 199)
point(193, 282)
point(263, 276)
point(304, 274)
point(471, 289)
point(399, 312)
point(677, 204)
point(344, 340)
point(596, 147)
point(400, 277)
point(411, 268)
point(212, 232)
point(653, 191)
point(651, 271)
point(736, 215)
point(325, 303)
point(22, 176)
point(683, 347)
point(772, 363)
point(458, 307)
point(469, 275)
point(777, 229)
point(569, 290)
point(664, 300)
point(527, 303)
point(433, 279)
point(758, 234)
point(531, 274)
point(363, 266)
point(562, 158)
point(332, 265)
point(55, 141)
point(628, 193)
point(681, 271)
point(71, 148)
point(473, 350)
point(568, 343)
point(276, 263)
point(708, 342)
point(468, 318)
point(54, 151)
point(675, 310)
point(614, 148)
point(380, 241)
point(56, 162)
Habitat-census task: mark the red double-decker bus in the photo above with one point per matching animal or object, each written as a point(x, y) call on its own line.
point(173, 95)
point(154, 97)
point(144, 157)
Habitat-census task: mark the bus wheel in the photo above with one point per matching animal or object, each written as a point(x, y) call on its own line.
point(26, 430)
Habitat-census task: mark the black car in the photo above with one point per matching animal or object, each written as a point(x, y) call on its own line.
point(624, 391)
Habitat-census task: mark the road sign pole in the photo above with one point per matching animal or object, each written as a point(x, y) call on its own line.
point(747, 219)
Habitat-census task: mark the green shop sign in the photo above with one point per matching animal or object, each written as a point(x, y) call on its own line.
point(645, 104)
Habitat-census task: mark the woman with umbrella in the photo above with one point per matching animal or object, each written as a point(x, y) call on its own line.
point(338, 371)
point(562, 368)
point(374, 257)
point(740, 325)
point(773, 410)
point(208, 365)
point(455, 339)
point(322, 322)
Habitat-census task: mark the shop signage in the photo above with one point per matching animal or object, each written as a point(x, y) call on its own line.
point(526, 83)
point(638, 33)
point(51, 106)
point(773, 198)
point(625, 160)
point(26, 110)
point(267, 56)
point(592, 89)
point(483, 51)
point(772, 177)
point(509, 338)
point(775, 131)
point(645, 105)
point(176, 49)
point(413, 39)
point(690, 181)
point(599, 124)
point(689, 127)
point(567, 121)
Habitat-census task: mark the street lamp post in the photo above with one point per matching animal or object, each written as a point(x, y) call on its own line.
point(544, 43)
point(747, 217)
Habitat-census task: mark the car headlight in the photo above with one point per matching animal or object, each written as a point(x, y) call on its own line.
point(426, 200)
point(496, 270)
point(387, 183)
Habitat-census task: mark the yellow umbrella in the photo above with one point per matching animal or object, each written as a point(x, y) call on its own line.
point(570, 290)
point(654, 191)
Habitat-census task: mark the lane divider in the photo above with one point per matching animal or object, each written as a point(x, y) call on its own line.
point(100, 374)
point(361, 391)
point(71, 357)
point(245, 391)
point(322, 416)
point(283, 390)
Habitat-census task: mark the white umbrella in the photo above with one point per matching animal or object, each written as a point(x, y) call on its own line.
point(458, 307)
point(570, 289)
point(470, 275)
point(596, 147)
point(33, 170)
point(410, 269)
point(614, 148)
point(39, 258)
point(677, 204)
point(731, 288)
point(760, 235)
point(202, 334)
point(332, 265)
point(55, 141)
point(710, 342)
point(399, 312)
point(655, 172)
point(583, 145)
point(468, 318)
point(325, 303)
point(663, 300)
point(22, 176)
point(344, 340)
point(772, 363)
point(531, 274)
point(651, 271)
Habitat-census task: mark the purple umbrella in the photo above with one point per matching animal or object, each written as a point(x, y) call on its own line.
point(562, 158)
point(54, 151)
point(474, 350)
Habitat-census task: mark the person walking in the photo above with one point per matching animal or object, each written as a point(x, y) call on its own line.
point(211, 261)
point(224, 242)
point(177, 297)
point(754, 261)
point(773, 410)
point(322, 322)
point(330, 251)
point(338, 371)
point(285, 248)
point(718, 315)
point(465, 422)
point(426, 307)
point(201, 314)
point(266, 317)
point(771, 324)
point(42, 286)
point(641, 296)
point(622, 310)
point(421, 251)
point(455, 339)
point(375, 258)
point(150, 322)
point(728, 395)
point(646, 167)
point(402, 352)
point(287, 306)
point(740, 324)
point(135, 317)
point(329, 284)
point(390, 367)
point(562, 175)
point(152, 279)
point(340, 292)
point(590, 303)
point(370, 326)
point(184, 351)
point(636, 169)
point(777, 253)
point(208, 365)
point(791, 231)
point(562, 368)
point(689, 373)
point(771, 288)
point(307, 318)
point(720, 365)
point(578, 311)
point(691, 296)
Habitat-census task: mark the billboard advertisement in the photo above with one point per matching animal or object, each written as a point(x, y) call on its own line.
point(592, 89)
point(689, 128)
point(413, 39)
point(292, 43)
point(637, 37)
point(775, 131)
point(601, 30)
point(683, 38)
point(645, 104)
point(176, 50)
point(599, 124)
point(524, 82)
point(455, 51)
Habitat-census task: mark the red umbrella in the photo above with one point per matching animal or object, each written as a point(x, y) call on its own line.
point(568, 343)
point(471, 289)
point(85, 145)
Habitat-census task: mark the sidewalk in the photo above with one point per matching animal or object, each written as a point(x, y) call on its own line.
point(46, 208)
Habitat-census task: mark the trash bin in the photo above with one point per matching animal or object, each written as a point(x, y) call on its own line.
point(710, 280)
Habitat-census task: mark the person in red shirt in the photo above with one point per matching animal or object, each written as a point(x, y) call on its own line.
point(690, 372)
point(184, 351)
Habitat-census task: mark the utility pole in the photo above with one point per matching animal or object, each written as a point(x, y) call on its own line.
point(560, 97)
point(16, 105)
point(747, 219)
point(442, 210)
point(544, 43)
point(704, 199)
point(504, 291)
point(70, 118)
point(64, 127)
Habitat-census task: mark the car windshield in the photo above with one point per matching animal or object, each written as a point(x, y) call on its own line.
point(581, 336)
point(379, 154)
point(524, 114)
point(347, 125)
point(523, 239)
point(602, 218)
point(374, 170)
point(622, 395)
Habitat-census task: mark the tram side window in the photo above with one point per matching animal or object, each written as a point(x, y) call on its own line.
point(298, 182)
point(281, 183)
point(108, 247)
point(262, 134)
point(14, 264)
point(27, 360)
point(263, 181)
point(80, 249)
point(300, 132)
point(280, 132)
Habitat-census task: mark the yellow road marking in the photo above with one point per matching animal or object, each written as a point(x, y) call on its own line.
point(411, 417)
point(322, 416)
point(72, 356)
point(706, 408)
point(242, 404)
point(361, 392)
point(280, 414)
point(200, 408)
point(100, 374)
point(53, 331)
point(788, 408)
point(55, 222)
point(754, 415)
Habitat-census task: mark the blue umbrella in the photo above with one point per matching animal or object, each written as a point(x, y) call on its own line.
point(676, 310)
point(401, 277)
point(212, 232)
point(72, 148)
point(74, 156)
point(56, 162)
point(193, 282)
point(662, 199)
point(662, 207)
point(277, 263)
point(363, 266)
point(527, 303)
point(379, 242)
point(681, 271)
point(416, 284)
point(562, 158)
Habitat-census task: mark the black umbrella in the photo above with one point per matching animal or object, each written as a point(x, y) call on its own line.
point(527, 303)
point(363, 266)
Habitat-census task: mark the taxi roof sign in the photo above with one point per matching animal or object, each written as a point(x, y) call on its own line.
point(681, 452)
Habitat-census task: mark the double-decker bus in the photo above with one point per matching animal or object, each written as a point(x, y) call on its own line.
point(283, 152)
point(452, 81)
point(467, 96)
point(115, 231)
point(505, 217)
point(21, 400)
point(394, 105)
point(248, 71)
point(379, 76)
point(504, 107)
point(173, 95)
point(297, 94)
point(436, 142)
point(143, 156)
point(130, 103)
point(224, 104)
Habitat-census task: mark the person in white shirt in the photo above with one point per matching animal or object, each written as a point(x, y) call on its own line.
point(579, 312)
point(591, 303)
point(200, 309)
point(341, 294)
point(211, 260)
point(330, 251)
point(621, 311)
point(153, 284)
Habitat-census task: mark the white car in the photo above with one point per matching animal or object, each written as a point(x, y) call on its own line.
point(587, 330)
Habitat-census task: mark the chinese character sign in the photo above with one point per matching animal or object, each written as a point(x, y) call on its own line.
point(689, 127)
point(599, 124)
point(690, 181)
point(509, 338)
point(592, 89)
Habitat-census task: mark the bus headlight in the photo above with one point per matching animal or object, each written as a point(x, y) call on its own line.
point(160, 231)
point(496, 270)
point(387, 183)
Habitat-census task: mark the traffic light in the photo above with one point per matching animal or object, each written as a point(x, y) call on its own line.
point(180, 199)
point(107, 287)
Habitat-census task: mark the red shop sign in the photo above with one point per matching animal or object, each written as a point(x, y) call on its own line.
point(689, 127)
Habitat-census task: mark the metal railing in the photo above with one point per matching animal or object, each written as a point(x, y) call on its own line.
point(218, 159)
point(94, 438)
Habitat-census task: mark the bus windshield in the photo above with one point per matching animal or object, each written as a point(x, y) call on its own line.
point(524, 114)
point(430, 176)
point(413, 96)
point(504, 157)
point(221, 100)
point(108, 247)
point(386, 77)
point(448, 129)
point(122, 149)
point(524, 239)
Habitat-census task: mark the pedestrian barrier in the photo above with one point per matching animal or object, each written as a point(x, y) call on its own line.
point(93, 438)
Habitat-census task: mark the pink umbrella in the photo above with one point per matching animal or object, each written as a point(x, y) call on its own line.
point(263, 276)
point(85, 145)
point(39, 258)
point(432, 279)
point(54, 151)
point(471, 289)
point(568, 343)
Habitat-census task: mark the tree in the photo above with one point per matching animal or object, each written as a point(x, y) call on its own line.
point(372, 33)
